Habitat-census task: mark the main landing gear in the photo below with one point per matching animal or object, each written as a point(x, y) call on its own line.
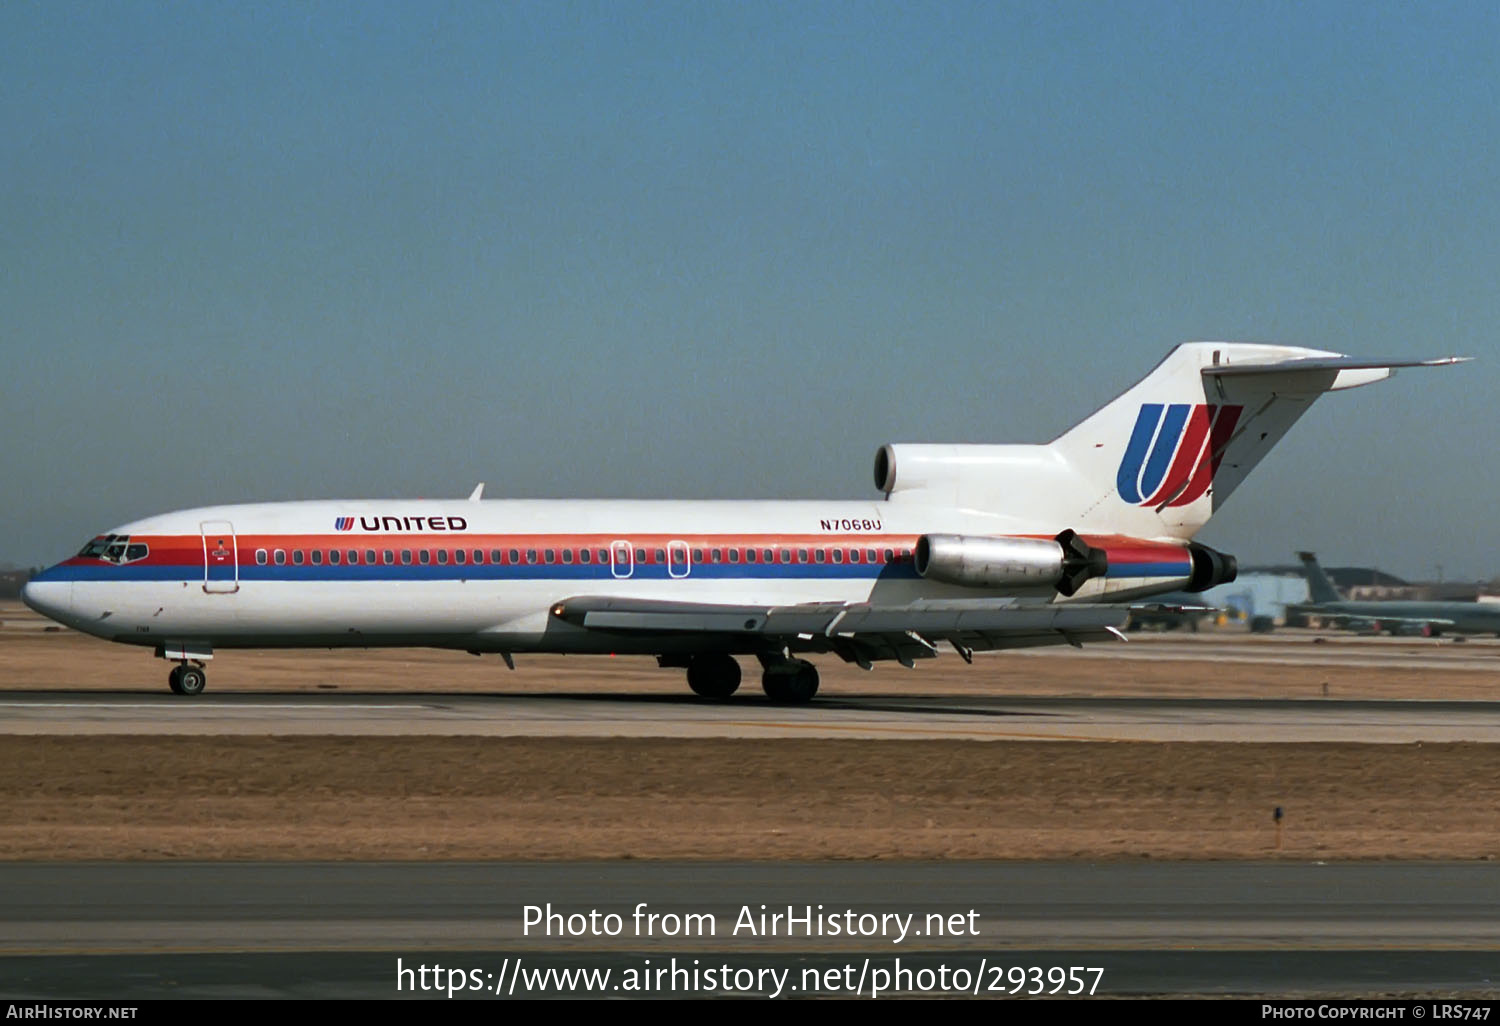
point(187, 679)
point(790, 681)
point(713, 676)
point(785, 681)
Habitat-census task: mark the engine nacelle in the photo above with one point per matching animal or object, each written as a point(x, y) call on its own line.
point(1210, 568)
point(962, 474)
point(1064, 562)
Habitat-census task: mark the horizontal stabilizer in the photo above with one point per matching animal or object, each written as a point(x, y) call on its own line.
point(1326, 363)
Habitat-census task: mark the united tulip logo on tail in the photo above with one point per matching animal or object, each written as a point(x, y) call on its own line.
point(1173, 452)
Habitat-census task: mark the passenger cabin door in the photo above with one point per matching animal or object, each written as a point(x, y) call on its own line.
point(221, 560)
point(621, 559)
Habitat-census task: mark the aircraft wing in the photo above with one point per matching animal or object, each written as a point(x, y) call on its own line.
point(1171, 607)
point(858, 632)
point(1370, 618)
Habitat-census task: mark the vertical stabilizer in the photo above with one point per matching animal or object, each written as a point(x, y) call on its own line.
point(1319, 588)
point(1157, 461)
point(1164, 456)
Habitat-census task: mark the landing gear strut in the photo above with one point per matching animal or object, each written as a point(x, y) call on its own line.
point(186, 679)
point(791, 682)
point(713, 676)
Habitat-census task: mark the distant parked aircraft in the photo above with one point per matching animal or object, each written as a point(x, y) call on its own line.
point(1170, 611)
point(1397, 617)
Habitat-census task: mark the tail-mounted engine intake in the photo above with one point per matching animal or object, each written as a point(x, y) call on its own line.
point(1065, 562)
point(1210, 567)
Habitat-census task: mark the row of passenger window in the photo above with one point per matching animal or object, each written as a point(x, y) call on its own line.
point(516, 557)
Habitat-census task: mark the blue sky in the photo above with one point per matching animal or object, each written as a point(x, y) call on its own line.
point(254, 252)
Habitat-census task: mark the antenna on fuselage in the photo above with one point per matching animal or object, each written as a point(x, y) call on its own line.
point(477, 493)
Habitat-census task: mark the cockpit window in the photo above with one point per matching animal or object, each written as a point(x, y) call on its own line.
point(114, 548)
point(95, 548)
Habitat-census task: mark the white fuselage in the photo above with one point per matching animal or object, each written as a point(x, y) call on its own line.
point(484, 575)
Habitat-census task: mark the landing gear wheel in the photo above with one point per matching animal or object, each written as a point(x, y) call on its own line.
point(713, 676)
point(187, 680)
point(790, 683)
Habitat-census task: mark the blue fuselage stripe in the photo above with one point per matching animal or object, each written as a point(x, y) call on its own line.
point(539, 572)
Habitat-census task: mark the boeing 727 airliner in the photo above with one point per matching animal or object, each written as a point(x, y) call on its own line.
point(979, 546)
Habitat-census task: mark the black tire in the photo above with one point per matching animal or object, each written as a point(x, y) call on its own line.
point(173, 680)
point(713, 676)
point(191, 680)
point(793, 683)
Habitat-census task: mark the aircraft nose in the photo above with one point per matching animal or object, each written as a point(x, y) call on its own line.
point(50, 598)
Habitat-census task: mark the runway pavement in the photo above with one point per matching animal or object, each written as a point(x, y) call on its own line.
point(297, 929)
point(751, 716)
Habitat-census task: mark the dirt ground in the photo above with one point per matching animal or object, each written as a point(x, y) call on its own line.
point(114, 797)
point(569, 798)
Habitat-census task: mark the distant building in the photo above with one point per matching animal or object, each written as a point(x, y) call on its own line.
point(1270, 590)
point(1367, 584)
point(1447, 591)
point(11, 582)
point(1345, 578)
point(1260, 591)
